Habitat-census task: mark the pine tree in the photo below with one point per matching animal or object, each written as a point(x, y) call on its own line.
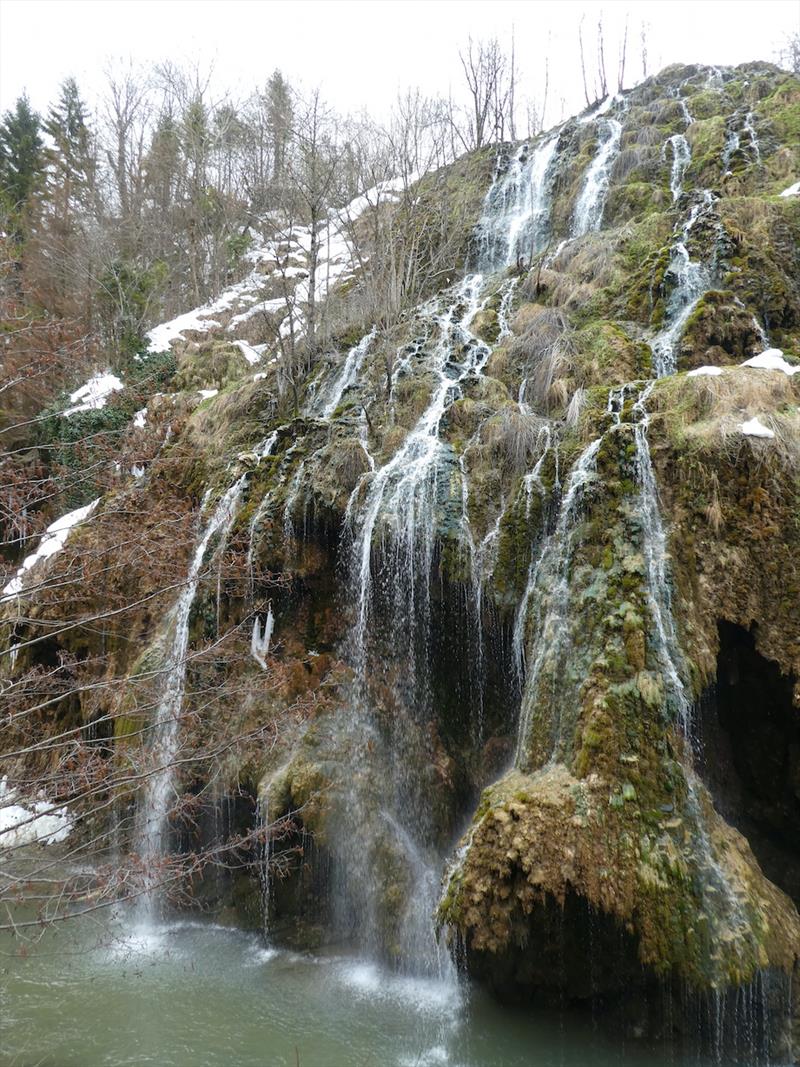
point(71, 162)
point(21, 161)
point(280, 114)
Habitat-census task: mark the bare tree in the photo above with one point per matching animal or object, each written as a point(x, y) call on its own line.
point(490, 82)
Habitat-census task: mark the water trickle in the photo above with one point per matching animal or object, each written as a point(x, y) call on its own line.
point(591, 202)
point(264, 865)
point(548, 590)
point(732, 142)
point(689, 279)
point(741, 137)
point(329, 399)
point(531, 483)
point(750, 129)
point(262, 452)
point(292, 496)
point(681, 158)
point(159, 790)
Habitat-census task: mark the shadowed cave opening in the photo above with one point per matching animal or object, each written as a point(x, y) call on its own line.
point(748, 746)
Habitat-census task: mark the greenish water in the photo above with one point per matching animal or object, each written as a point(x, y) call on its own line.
point(195, 994)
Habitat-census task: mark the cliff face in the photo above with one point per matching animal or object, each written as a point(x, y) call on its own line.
point(521, 562)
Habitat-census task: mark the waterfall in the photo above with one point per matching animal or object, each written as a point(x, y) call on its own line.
point(681, 152)
point(548, 589)
point(383, 833)
point(692, 278)
point(531, 482)
point(732, 142)
point(715, 884)
point(331, 397)
point(738, 125)
point(591, 202)
point(404, 491)
point(750, 129)
point(681, 158)
point(263, 451)
point(516, 212)
point(160, 786)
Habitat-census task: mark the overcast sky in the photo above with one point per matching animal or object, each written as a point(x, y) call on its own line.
point(362, 51)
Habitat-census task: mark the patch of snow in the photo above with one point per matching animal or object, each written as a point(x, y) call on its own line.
point(206, 394)
point(772, 359)
point(140, 419)
point(754, 428)
point(712, 372)
point(793, 190)
point(137, 470)
point(94, 394)
point(39, 822)
point(268, 307)
point(53, 540)
point(249, 353)
point(260, 376)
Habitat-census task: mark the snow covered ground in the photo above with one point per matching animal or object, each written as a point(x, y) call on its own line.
point(292, 248)
point(94, 394)
point(53, 540)
point(772, 359)
point(31, 822)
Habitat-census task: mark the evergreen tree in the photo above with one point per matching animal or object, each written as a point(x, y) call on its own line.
point(71, 162)
point(280, 115)
point(21, 161)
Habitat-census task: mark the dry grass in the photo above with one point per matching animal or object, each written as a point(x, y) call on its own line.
point(589, 259)
point(543, 353)
point(512, 439)
point(649, 135)
point(575, 407)
point(705, 413)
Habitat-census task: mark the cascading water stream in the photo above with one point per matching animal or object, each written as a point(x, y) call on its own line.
point(394, 520)
point(405, 488)
point(588, 214)
point(516, 212)
point(715, 886)
point(681, 154)
point(692, 278)
point(738, 125)
point(548, 589)
point(331, 397)
point(397, 507)
point(263, 452)
point(154, 806)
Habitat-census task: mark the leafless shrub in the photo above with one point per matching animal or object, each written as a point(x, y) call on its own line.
point(544, 352)
point(512, 436)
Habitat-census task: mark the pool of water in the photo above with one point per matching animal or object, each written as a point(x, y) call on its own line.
point(191, 993)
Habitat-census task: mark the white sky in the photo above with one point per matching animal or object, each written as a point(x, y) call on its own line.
point(362, 51)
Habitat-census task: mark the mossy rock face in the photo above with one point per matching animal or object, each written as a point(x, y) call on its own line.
point(603, 811)
point(719, 331)
point(549, 836)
